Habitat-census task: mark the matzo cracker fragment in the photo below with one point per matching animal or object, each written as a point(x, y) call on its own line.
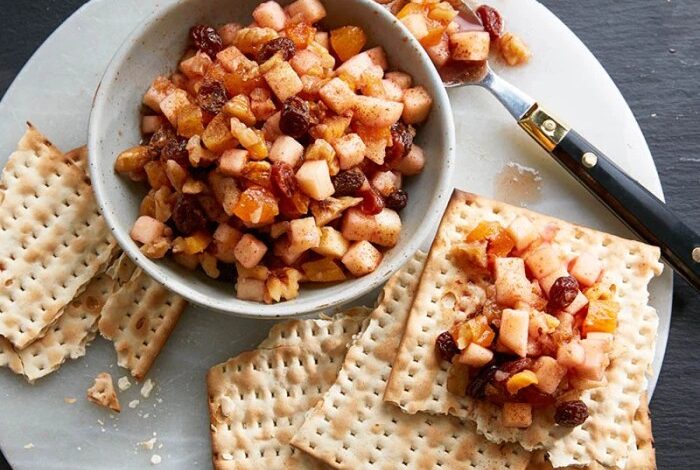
point(102, 392)
point(459, 285)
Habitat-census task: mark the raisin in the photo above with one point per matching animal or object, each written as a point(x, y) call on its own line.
point(283, 179)
point(518, 365)
point(402, 142)
point(396, 200)
point(270, 48)
point(295, 118)
point(206, 39)
point(445, 346)
point(372, 202)
point(176, 149)
point(294, 207)
point(562, 293)
point(477, 386)
point(492, 21)
point(571, 413)
point(212, 96)
point(162, 136)
point(347, 183)
point(229, 273)
point(188, 215)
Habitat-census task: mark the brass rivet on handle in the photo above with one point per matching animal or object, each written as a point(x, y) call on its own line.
point(696, 254)
point(589, 159)
point(549, 125)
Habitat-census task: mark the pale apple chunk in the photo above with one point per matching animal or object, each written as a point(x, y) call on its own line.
point(586, 269)
point(514, 331)
point(323, 39)
point(337, 95)
point(314, 179)
point(282, 248)
point(606, 338)
point(401, 79)
point(470, 45)
point(284, 81)
point(523, 231)
point(232, 59)
point(382, 229)
point(549, 373)
point(355, 66)
point(332, 208)
point(386, 182)
point(323, 270)
point(579, 302)
point(306, 62)
point(147, 230)
point(250, 289)
point(332, 244)
point(476, 355)
point(270, 15)
point(172, 104)
point(549, 280)
point(544, 261)
point(392, 91)
point(350, 150)
point(225, 240)
point(196, 66)
point(571, 354)
point(362, 258)
point(282, 284)
point(377, 112)
point(440, 53)
point(310, 10)
point(304, 235)
point(512, 286)
point(413, 163)
point(225, 191)
point(516, 415)
point(378, 57)
point(232, 162)
point(416, 24)
point(249, 251)
point(595, 362)
point(158, 91)
point(286, 150)
point(416, 105)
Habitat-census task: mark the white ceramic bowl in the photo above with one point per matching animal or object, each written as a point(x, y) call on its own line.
point(155, 48)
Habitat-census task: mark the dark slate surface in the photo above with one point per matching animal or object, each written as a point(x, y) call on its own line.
point(651, 50)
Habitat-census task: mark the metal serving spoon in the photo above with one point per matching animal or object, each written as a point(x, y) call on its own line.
point(640, 210)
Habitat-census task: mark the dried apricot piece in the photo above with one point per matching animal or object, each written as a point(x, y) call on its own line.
point(348, 41)
point(256, 205)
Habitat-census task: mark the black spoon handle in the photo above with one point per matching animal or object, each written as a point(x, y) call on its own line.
point(643, 212)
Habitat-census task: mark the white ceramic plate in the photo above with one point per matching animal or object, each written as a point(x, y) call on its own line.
point(54, 91)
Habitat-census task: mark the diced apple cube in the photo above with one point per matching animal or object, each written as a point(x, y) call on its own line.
point(282, 248)
point(332, 244)
point(228, 33)
point(579, 302)
point(350, 150)
point(512, 286)
point(401, 79)
point(440, 53)
point(392, 91)
point(323, 39)
point(232, 58)
point(571, 354)
point(386, 182)
point(305, 61)
point(595, 362)
point(476, 355)
point(225, 191)
point(337, 95)
point(416, 105)
point(544, 261)
point(250, 251)
point(470, 45)
point(314, 179)
point(378, 57)
point(523, 231)
point(196, 66)
point(303, 234)
point(271, 128)
point(416, 25)
point(377, 112)
point(270, 15)
point(549, 374)
point(514, 330)
point(382, 229)
point(158, 91)
point(232, 162)
point(147, 230)
point(586, 269)
point(362, 258)
point(413, 163)
point(250, 289)
point(356, 65)
point(225, 240)
point(516, 415)
point(376, 150)
point(286, 150)
point(284, 81)
point(172, 104)
point(310, 10)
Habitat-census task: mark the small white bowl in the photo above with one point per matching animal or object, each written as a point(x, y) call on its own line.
point(155, 47)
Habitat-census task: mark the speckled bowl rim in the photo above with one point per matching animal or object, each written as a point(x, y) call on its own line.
point(356, 288)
